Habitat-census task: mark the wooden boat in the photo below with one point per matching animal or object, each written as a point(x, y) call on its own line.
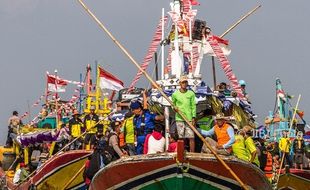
point(294, 179)
point(164, 171)
point(55, 173)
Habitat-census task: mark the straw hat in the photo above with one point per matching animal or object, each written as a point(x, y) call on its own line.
point(220, 116)
point(183, 78)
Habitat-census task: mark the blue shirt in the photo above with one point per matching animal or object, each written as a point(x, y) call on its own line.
point(148, 121)
point(230, 132)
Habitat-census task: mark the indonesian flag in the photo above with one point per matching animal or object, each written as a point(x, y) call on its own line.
point(108, 81)
point(224, 44)
point(56, 85)
point(194, 2)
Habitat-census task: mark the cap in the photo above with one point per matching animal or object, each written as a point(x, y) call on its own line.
point(22, 165)
point(242, 83)
point(183, 78)
point(135, 105)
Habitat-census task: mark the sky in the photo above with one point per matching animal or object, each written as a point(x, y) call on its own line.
point(42, 35)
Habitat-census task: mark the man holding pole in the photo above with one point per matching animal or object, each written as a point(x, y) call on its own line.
point(184, 100)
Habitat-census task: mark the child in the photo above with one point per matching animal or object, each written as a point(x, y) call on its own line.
point(173, 142)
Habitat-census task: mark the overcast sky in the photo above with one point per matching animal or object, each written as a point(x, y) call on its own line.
point(42, 35)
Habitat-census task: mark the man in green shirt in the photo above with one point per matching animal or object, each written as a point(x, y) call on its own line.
point(250, 146)
point(184, 100)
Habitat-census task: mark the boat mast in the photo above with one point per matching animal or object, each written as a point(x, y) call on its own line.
point(162, 45)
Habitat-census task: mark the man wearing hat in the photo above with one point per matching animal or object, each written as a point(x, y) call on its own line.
point(184, 100)
point(144, 122)
point(90, 122)
point(224, 136)
point(250, 145)
point(76, 127)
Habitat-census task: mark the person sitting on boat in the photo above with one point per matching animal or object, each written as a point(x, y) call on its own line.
point(285, 146)
point(250, 146)
point(238, 148)
point(299, 150)
point(21, 174)
point(117, 152)
point(154, 142)
point(223, 89)
point(129, 132)
point(173, 142)
point(242, 84)
point(13, 123)
point(76, 129)
point(224, 133)
point(90, 122)
point(144, 122)
point(185, 102)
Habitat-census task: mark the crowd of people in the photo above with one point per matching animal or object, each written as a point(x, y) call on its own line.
point(142, 132)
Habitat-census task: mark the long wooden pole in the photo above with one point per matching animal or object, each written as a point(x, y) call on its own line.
point(291, 125)
point(163, 94)
point(224, 34)
point(240, 20)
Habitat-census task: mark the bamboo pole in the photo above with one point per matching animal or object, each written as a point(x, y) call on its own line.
point(163, 94)
point(291, 125)
point(240, 20)
point(73, 178)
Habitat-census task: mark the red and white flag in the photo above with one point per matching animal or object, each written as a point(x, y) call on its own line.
point(56, 85)
point(108, 81)
point(224, 44)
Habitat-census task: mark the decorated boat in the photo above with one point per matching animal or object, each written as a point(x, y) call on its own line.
point(56, 173)
point(165, 171)
point(190, 39)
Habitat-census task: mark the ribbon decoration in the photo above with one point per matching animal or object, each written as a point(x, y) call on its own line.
point(225, 65)
point(152, 49)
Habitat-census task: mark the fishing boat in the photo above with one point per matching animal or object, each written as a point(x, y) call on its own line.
point(63, 166)
point(189, 40)
point(286, 118)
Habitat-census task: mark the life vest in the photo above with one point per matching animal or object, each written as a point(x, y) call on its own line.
point(221, 134)
point(76, 130)
point(90, 125)
point(129, 130)
point(205, 123)
point(268, 167)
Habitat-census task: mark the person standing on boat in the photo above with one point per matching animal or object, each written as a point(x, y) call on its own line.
point(224, 134)
point(116, 152)
point(90, 122)
point(76, 129)
point(14, 122)
point(144, 121)
point(129, 132)
point(250, 146)
point(184, 100)
point(299, 150)
point(284, 146)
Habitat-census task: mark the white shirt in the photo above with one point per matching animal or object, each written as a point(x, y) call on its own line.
point(155, 146)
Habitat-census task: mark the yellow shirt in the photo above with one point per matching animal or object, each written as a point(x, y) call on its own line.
point(239, 149)
point(285, 144)
point(251, 147)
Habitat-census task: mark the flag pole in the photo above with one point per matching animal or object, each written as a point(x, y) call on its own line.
point(56, 97)
point(164, 95)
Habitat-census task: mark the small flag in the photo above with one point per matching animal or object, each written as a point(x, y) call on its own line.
point(56, 85)
point(108, 81)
